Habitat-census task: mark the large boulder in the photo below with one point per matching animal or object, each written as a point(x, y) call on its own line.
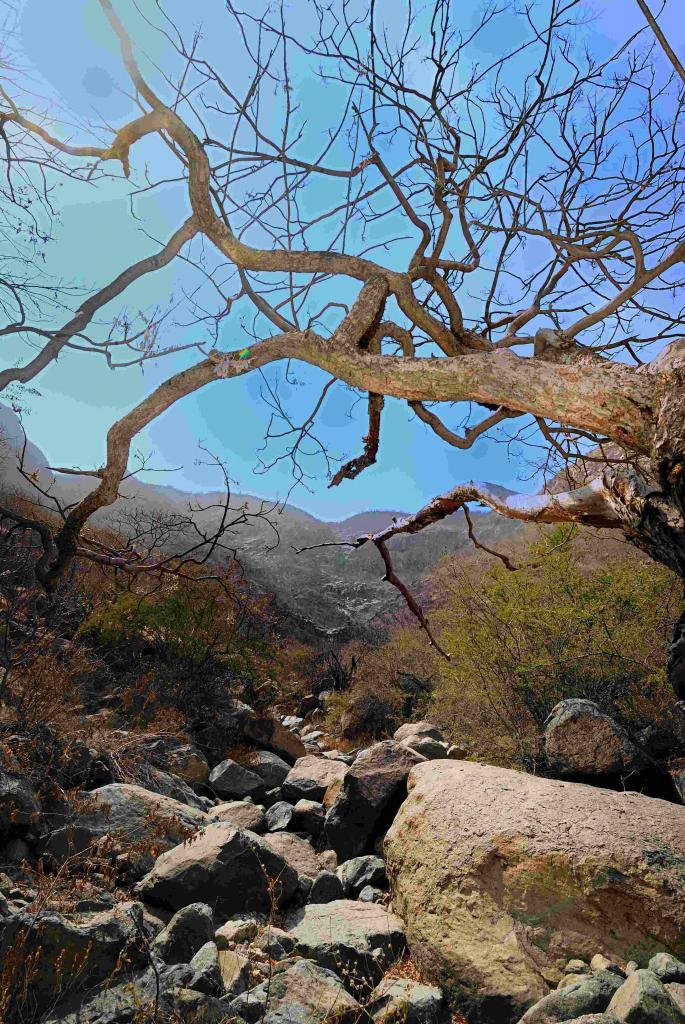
point(358, 939)
point(581, 739)
point(298, 993)
point(128, 814)
point(583, 996)
point(68, 954)
point(502, 877)
point(369, 795)
point(311, 776)
point(643, 999)
point(233, 781)
point(19, 805)
point(229, 868)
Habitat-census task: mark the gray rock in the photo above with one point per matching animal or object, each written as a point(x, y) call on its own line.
point(580, 739)
point(326, 887)
point(70, 954)
point(431, 749)
point(343, 935)
point(298, 993)
point(239, 814)
point(271, 768)
point(587, 995)
point(370, 793)
point(370, 895)
point(19, 805)
point(187, 931)
point(407, 1001)
point(129, 813)
point(158, 781)
point(206, 969)
point(667, 968)
point(642, 999)
point(411, 730)
point(359, 872)
point(228, 868)
point(279, 816)
point(311, 777)
point(233, 781)
point(309, 817)
point(592, 1018)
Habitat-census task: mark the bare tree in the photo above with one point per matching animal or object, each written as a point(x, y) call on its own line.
point(514, 227)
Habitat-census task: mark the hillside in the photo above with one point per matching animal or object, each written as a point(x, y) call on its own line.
point(334, 591)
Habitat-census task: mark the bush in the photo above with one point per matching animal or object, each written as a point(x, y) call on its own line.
point(522, 641)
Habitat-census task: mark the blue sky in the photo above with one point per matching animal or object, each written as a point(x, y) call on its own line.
point(97, 237)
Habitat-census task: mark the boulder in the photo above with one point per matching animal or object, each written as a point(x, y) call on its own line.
point(642, 999)
point(326, 887)
point(677, 993)
point(235, 972)
point(271, 768)
point(158, 781)
point(129, 814)
point(361, 871)
point(309, 816)
point(240, 814)
point(311, 776)
point(272, 735)
point(581, 739)
point(586, 995)
point(19, 805)
point(431, 748)
point(297, 853)
point(231, 780)
point(503, 876)
point(206, 969)
point(239, 928)
point(369, 796)
point(369, 894)
point(70, 954)
point(358, 939)
point(187, 931)
point(406, 1001)
point(412, 730)
point(667, 968)
point(189, 763)
point(228, 868)
point(279, 816)
point(298, 993)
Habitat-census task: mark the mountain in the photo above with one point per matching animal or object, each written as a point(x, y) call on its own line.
point(334, 591)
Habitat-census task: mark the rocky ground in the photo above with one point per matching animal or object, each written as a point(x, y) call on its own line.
point(292, 881)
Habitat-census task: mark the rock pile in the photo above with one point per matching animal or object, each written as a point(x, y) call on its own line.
point(257, 889)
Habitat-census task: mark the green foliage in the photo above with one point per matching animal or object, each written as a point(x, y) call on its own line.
point(519, 642)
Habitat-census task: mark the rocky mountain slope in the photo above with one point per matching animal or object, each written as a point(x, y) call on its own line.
point(336, 591)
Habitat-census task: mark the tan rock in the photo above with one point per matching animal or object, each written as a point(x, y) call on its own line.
point(502, 877)
point(311, 777)
point(297, 853)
